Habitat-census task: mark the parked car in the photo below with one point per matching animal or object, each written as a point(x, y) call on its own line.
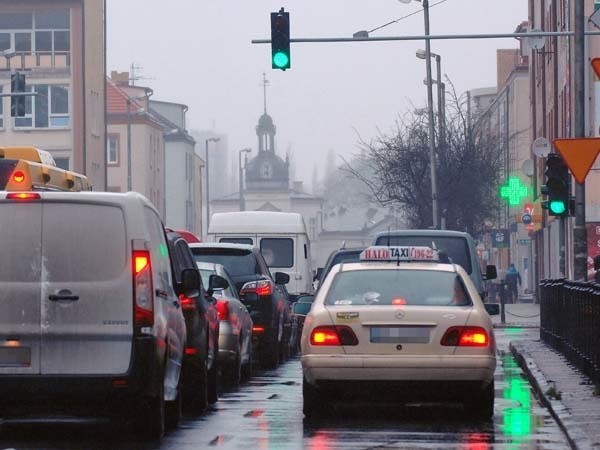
point(200, 363)
point(300, 310)
point(342, 255)
point(263, 294)
point(89, 320)
point(235, 324)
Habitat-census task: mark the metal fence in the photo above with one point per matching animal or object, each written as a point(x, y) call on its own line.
point(570, 322)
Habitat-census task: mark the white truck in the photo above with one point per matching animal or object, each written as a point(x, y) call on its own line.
point(281, 237)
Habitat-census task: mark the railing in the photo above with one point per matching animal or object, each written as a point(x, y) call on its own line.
point(570, 322)
point(36, 60)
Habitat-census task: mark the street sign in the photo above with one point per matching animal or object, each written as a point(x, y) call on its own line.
point(526, 219)
point(541, 147)
point(579, 154)
point(596, 66)
point(523, 241)
point(500, 238)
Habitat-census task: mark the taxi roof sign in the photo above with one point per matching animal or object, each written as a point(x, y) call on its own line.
point(399, 253)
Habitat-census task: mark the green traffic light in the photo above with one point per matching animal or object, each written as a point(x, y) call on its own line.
point(557, 206)
point(281, 60)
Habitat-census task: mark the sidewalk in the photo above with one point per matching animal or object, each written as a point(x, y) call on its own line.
point(567, 393)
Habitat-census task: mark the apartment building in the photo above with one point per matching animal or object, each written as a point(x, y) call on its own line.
point(60, 46)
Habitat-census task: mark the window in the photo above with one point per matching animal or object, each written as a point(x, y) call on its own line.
point(48, 109)
point(42, 31)
point(236, 240)
point(112, 149)
point(278, 252)
point(62, 162)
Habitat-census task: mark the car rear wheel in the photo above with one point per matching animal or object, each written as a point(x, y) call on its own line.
point(213, 381)
point(310, 399)
point(247, 368)
point(151, 417)
point(233, 372)
point(483, 404)
point(195, 398)
point(173, 412)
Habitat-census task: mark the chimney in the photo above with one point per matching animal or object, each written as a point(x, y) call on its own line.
point(120, 78)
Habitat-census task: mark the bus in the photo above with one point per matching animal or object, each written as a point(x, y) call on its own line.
point(32, 169)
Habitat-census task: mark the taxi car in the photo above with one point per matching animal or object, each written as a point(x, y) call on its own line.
point(398, 326)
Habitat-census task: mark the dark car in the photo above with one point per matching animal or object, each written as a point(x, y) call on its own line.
point(263, 294)
point(342, 255)
point(200, 367)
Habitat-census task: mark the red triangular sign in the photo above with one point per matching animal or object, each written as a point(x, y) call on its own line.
point(579, 154)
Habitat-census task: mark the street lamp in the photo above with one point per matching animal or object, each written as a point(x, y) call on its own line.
point(241, 178)
point(434, 199)
point(422, 54)
point(206, 141)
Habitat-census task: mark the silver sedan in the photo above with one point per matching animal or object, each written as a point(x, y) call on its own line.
point(235, 324)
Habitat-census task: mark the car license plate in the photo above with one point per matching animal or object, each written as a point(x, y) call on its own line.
point(15, 356)
point(399, 335)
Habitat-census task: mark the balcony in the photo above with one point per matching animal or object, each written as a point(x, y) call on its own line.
point(37, 61)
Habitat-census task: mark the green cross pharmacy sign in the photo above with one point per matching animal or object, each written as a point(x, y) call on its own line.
point(514, 191)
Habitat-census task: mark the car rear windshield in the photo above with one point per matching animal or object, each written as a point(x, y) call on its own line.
point(455, 247)
point(397, 287)
point(237, 240)
point(238, 262)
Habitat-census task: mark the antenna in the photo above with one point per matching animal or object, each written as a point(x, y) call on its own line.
point(134, 74)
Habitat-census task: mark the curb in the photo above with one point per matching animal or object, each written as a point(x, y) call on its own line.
point(576, 437)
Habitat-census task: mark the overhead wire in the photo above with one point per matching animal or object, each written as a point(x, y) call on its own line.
point(405, 17)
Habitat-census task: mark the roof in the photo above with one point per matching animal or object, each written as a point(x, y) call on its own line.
point(222, 245)
point(246, 222)
point(438, 233)
point(116, 100)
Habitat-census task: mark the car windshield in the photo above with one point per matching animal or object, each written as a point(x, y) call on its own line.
point(340, 258)
point(205, 274)
point(455, 247)
point(237, 262)
point(397, 287)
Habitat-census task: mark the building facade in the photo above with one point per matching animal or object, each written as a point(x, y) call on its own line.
point(135, 151)
point(60, 46)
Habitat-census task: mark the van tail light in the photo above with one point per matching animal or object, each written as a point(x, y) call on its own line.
point(466, 337)
point(223, 309)
point(142, 289)
point(23, 196)
point(187, 304)
point(333, 335)
point(262, 288)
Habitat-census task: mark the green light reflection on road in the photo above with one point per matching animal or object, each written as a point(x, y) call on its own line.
point(514, 331)
point(517, 418)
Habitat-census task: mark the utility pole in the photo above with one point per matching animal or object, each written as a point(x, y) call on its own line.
point(579, 232)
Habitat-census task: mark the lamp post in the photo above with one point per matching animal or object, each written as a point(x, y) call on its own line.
point(206, 141)
point(434, 199)
point(241, 178)
point(441, 89)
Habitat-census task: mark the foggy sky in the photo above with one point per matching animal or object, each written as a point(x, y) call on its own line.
point(198, 52)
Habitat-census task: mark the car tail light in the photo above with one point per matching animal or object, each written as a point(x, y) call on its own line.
point(258, 329)
point(333, 335)
point(187, 304)
point(142, 289)
point(18, 176)
point(191, 351)
point(23, 196)
point(223, 309)
point(262, 288)
point(466, 337)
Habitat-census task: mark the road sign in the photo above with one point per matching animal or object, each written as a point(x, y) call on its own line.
point(579, 154)
point(596, 65)
point(500, 238)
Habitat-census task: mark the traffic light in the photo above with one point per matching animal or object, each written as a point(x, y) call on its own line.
point(280, 40)
point(17, 86)
point(556, 187)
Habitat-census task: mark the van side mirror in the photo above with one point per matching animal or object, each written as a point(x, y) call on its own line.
point(281, 278)
point(493, 309)
point(190, 282)
point(490, 272)
point(216, 283)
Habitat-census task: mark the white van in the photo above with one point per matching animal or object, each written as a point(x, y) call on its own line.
point(281, 237)
point(89, 320)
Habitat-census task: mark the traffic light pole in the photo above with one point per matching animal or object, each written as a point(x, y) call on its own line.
point(579, 231)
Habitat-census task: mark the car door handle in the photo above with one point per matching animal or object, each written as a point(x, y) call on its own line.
point(162, 294)
point(63, 295)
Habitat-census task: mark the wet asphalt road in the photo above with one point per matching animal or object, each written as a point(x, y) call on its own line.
point(266, 413)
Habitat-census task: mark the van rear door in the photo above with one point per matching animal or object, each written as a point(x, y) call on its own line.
point(20, 287)
point(87, 305)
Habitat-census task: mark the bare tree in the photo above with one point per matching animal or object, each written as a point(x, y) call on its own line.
point(467, 170)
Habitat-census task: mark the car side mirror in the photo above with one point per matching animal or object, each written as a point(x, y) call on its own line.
point(305, 299)
point(490, 272)
point(493, 309)
point(281, 278)
point(301, 309)
point(318, 274)
point(216, 283)
point(190, 282)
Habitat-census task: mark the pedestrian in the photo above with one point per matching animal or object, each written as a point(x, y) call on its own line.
point(512, 277)
point(597, 268)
